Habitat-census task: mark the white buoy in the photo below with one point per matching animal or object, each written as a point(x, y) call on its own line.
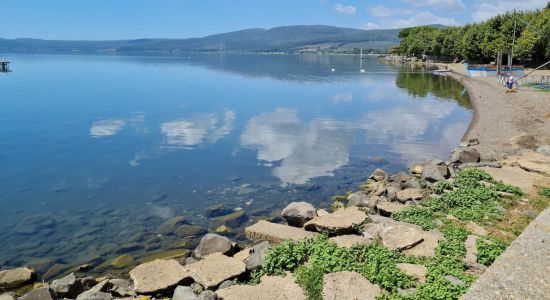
point(333, 70)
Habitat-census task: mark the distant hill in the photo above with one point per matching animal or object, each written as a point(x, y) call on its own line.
point(285, 39)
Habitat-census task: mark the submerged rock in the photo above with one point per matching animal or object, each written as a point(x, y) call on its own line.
point(34, 223)
point(171, 225)
point(298, 213)
point(217, 211)
point(234, 219)
point(15, 278)
point(190, 230)
point(123, 261)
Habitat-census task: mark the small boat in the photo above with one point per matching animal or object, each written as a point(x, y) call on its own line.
point(442, 71)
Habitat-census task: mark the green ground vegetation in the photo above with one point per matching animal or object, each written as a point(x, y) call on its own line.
point(479, 42)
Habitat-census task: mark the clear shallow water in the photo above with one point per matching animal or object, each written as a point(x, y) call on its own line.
point(97, 151)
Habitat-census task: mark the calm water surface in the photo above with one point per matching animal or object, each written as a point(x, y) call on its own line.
point(97, 151)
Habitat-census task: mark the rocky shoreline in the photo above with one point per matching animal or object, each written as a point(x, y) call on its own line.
point(376, 217)
point(401, 236)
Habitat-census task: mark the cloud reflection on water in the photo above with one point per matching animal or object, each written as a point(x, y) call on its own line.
point(106, 127)
point(192, 131)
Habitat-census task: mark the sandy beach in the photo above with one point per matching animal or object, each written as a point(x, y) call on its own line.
point(504, 122)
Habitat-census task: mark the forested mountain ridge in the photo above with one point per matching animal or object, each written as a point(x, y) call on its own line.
point(285, 39)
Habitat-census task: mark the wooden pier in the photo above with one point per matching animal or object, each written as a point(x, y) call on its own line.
point(4, 66)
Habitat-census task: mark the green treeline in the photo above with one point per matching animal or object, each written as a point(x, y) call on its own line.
point(480, 42)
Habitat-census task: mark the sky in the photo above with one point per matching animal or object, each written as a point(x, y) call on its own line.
point(131, 19)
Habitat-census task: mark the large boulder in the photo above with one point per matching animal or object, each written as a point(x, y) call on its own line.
point(276, 233)
point(91, 295)
point(254, 256)
point(410, 194)
point(427, 248)
point(69, 286)
point(465, 155)
point(158, 275)
point(270, 288)
point(214, 269)
point(400, 177)
point(348, 285)
point(386, 208)
point(433, 173)
point(298, 213)
point(43, 293)
point(217, 211)
point(340, 222)
point(361, 199)
point(378, 175)
point(15, 278)
point(212, 243)
point(116, 287)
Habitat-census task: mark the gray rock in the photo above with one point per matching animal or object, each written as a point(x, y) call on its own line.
point(454, 280)
point(117, 287)
point(8, 296)
point(412, 183)
point(391, 192)
point(360, 199)
point(197, 288)
point(340, 222)
point(465, 155)
point(43, 293)
point(67, 287)
point(190, 230)
point(433, 173)
point(400, 177)
point(91, 295)
point(543, 150)
point(171, 225)
point(410, 194)
point(15, 278)
point(227, 284)
point(212, 243)
point(298, 213)
point(256, 256)
point(378, 175)
point(208, 295)
point(214, 269)
point(184, 293)
point(348, 285)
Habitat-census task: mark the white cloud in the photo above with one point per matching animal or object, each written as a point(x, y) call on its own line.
point(106, 127)
point(383, 11)
point(370, 25)
point(345, 9)
point(423, 18)
point(446, 5)
point(485, 9)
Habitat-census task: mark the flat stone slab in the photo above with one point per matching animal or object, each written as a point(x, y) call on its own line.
point(348, 285)
point(387, 208)
point(522, 271)
point(516, 176)
point(531, 161)
point(410, 194)
point(339, 222)
point(350, 240)
point(401, 237)
point(215, 269)
point(276, 233)
point(419, 271)
point(270, 288)
point(471, 249)
point(427, 248)
point(158, 275)
point(14, 278)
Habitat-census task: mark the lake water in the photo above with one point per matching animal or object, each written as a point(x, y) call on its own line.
point(96, 152)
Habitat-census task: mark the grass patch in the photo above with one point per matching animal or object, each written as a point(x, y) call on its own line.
point(545, 192)
point(419, 215)
point(489, 249)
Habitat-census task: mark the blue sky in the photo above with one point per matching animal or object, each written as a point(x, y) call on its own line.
point(125, 19)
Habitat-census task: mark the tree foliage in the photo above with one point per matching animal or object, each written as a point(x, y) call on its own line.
point(480, 42)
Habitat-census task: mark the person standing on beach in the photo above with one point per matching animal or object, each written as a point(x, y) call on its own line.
point(510, 82)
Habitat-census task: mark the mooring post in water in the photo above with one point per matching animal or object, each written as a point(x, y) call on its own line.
point(4, 65)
